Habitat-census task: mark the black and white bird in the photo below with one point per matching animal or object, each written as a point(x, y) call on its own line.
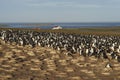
point(100, 46)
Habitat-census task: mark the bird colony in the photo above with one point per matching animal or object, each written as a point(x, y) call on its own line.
point(100, 46)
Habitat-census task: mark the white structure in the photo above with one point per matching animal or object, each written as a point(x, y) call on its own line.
point(57, 27)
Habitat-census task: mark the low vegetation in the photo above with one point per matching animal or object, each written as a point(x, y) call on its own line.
point(96, 31)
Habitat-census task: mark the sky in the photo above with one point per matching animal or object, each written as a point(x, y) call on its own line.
point(59, 11)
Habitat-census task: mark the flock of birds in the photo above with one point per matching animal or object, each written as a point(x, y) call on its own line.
point(100, 46)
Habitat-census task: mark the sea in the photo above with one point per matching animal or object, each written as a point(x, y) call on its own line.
point(63, 25)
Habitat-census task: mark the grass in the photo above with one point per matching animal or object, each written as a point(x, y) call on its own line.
point(96, 31)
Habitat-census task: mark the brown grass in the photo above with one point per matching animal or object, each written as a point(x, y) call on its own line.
point(96, 31)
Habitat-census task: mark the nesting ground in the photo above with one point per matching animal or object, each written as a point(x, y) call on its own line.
point(41, 63)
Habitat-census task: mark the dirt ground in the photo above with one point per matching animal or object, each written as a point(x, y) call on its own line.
point(41, 63)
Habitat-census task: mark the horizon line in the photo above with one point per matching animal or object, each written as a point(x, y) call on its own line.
point(63, 22)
